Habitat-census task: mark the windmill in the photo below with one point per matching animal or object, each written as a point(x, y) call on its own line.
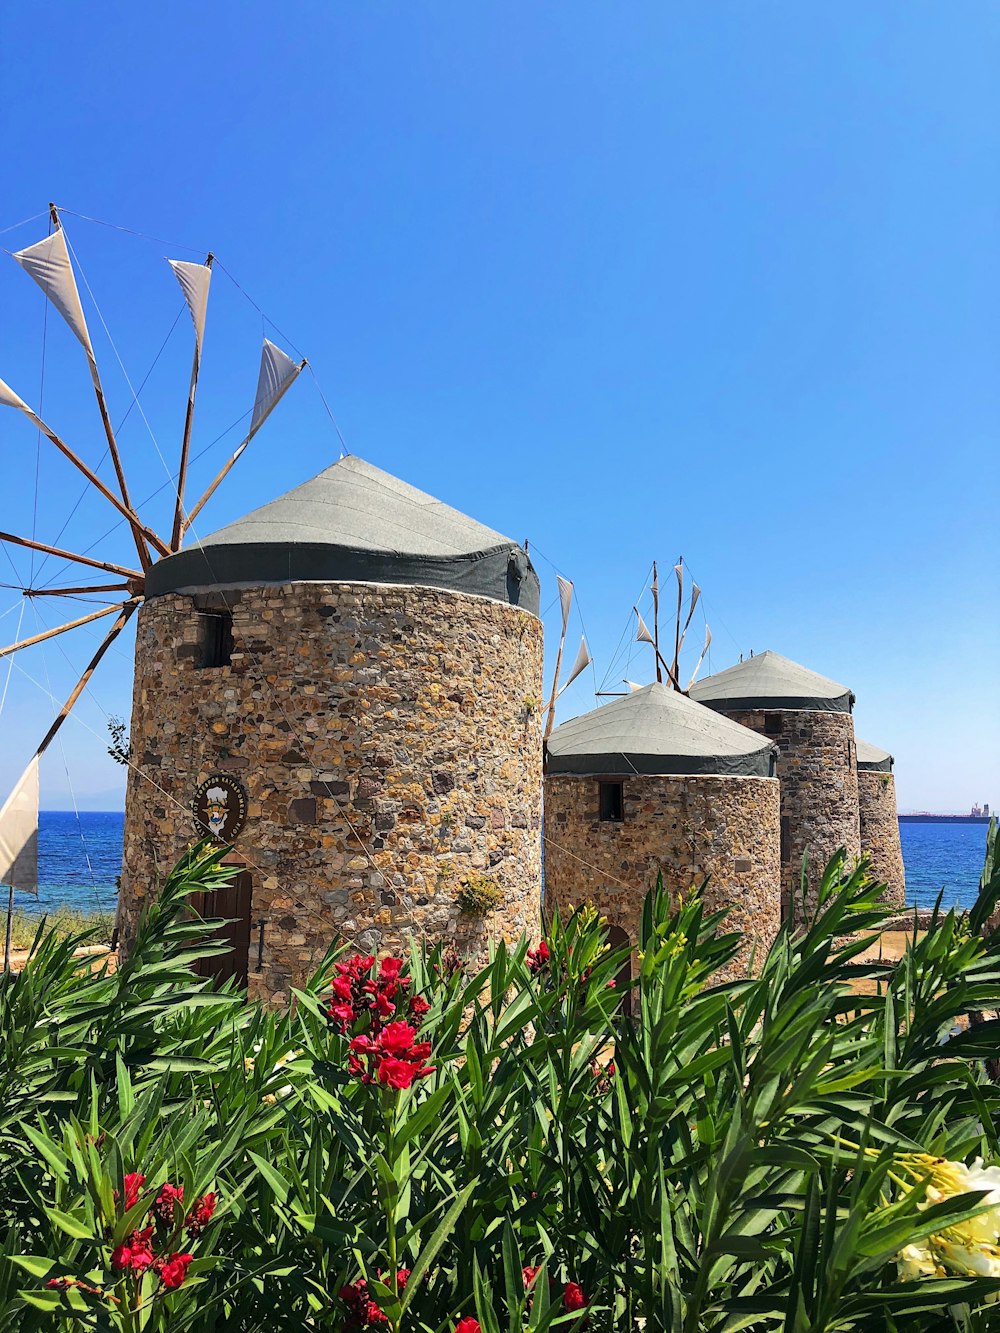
point(49, 264)
point(682, 624)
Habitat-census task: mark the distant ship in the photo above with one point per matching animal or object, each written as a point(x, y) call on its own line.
point(979, 814)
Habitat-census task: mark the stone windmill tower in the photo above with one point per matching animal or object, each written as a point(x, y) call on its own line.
point(655, 783)
point(809, 718)
point(345, 684)
point(879, 820)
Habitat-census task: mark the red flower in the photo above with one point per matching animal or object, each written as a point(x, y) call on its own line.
point(397, 1039)
point(468, 1325)
point(529, 1274)
point(134, 1253)
point(200, 1215)
point(173, 1271)
point(60, 1283)
point(398, 1074)
point(573, 1297)
point(391, 968)
point(342, 988)
point(343, 1013)
point(383, 1005)
point(132, 1188)
point(418, 1007)
point(362, 1311)
point(167, 1199)
point(402, 1277)
point(538, 959)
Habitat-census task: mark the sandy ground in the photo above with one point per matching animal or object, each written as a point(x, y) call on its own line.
point(93, 954)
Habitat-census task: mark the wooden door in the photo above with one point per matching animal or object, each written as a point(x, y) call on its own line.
point(234, 903)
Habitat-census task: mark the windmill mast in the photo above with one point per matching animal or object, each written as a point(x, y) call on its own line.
point(656, 623)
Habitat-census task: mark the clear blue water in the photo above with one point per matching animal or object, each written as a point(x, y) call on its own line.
point(79, 859)
point(945, 857)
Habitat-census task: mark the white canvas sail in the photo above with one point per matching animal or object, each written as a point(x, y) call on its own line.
point(277, 371)
point(194, 280)
point(47, 262)
point(565, 598)
point(582, 662)
point(697, 668)
point(642, 633)
point(19, 833)
point(8, 398)
point(633, 687)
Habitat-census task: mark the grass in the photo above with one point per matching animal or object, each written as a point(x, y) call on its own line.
point(64, 921)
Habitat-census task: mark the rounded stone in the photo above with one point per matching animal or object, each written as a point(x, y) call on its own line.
point(386, 739)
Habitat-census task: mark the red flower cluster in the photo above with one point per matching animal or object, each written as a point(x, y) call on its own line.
point(573, 1297)
point(468, 1325)
point(136, 1254)
point(386, 1052)
point(538, 959)
point(450, 964)
point(602, 1076)
point(392, 1056)
point(133, 1184)
point(362, 1311)
point(357, 993)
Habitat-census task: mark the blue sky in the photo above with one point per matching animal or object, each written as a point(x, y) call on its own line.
point(626, 280)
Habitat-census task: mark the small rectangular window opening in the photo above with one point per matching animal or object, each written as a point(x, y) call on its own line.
point(612, 802)
point(773, 724)
point(216, 638)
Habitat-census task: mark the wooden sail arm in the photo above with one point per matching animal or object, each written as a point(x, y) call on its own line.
point(671, 675)
point(128, 514)
point(77, 592)
point(133, 575)
point(59, 629)
point(140, 533)
point(220, 478)
point(123, 616)
point(550, 707)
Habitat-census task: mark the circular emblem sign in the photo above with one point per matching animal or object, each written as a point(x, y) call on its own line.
point(220, 807)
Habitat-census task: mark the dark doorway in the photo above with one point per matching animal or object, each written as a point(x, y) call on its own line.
point(233, 902)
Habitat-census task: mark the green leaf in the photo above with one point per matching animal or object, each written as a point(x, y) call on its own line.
point(72, 1223)
point(273, 1176)
point(429, 1252)
point(36, 1264)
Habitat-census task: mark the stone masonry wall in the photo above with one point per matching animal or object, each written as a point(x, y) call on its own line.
point(817, 770)
point(880, 832)
point(686, 827)
point(389, 741)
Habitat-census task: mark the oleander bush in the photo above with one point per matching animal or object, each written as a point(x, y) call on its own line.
point(411, 1147)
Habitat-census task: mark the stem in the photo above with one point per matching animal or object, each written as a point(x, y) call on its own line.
point(390, 1108)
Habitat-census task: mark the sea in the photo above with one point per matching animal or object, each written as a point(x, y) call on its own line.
point(79, 860)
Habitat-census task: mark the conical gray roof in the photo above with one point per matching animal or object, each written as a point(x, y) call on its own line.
point(873, 760)
point(657, 730)
point(354, 522)
point(769, 680)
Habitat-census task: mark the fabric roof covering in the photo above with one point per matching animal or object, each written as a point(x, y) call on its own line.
point(873, 760)
point(769, 680)
point(354, 522)
point(657, 730)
